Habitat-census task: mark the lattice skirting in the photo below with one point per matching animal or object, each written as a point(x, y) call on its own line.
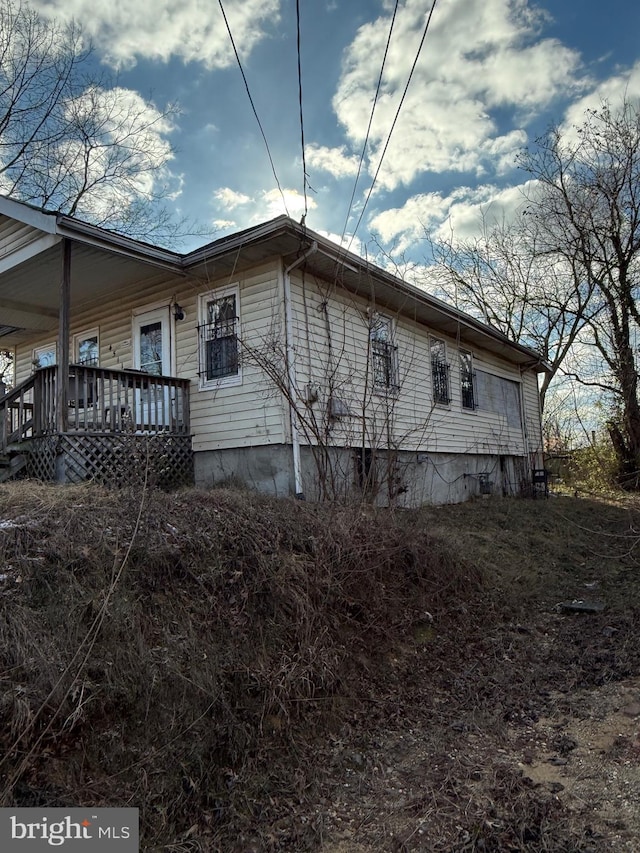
point(41, 455)
point(164, 461)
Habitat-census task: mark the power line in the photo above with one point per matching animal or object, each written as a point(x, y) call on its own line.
point(253, 107)
point(304, 163)
point(373, 109)
point(386, 145)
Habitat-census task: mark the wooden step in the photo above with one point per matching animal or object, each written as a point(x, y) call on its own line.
point(10, 466)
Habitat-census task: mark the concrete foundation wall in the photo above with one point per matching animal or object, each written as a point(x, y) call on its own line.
point(267, 469)
point(405, 479)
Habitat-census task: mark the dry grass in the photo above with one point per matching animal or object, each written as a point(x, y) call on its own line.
point(186, 664)
point(221, 660)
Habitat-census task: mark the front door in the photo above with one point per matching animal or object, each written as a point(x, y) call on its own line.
point(152, 355)
point(152, 342)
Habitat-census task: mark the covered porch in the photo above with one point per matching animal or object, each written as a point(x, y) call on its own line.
point(73, 418)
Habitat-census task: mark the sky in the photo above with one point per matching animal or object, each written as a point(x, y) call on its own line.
point(490, 78)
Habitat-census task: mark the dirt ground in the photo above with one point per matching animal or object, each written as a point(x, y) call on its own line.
point(530, 739)
point(517, 726)
point(564, 776)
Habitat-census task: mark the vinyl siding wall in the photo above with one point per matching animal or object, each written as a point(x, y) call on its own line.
point(333, 359)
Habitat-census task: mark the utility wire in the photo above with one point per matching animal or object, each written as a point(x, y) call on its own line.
point(373, 109)
point(253, 107)
point(304, 163)
point(386, 145)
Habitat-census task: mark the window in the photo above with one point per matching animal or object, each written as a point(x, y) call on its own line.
point(467, 383)
point(44, 356)
point(219, 363)
point(439, 372)
point(151, 348)
point(384, 365)
point(86, 349)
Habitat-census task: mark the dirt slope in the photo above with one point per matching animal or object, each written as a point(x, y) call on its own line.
point(261, 675)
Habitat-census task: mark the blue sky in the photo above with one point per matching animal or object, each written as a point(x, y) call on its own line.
point(492, 75)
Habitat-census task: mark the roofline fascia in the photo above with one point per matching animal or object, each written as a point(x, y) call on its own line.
point(28, 214)
point(93, 235)
point(354, 263)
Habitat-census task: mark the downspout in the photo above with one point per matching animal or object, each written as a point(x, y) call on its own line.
point(291, 369)
point(525, 431)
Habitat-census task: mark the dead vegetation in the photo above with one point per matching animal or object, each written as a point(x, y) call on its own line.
point(273, 675)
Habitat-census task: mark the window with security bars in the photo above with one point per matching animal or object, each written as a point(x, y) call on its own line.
point(384, 364)
point(219, 339)
point(440, 372)
point(467, 383)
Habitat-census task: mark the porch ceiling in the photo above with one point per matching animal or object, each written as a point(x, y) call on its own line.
point(30, 291)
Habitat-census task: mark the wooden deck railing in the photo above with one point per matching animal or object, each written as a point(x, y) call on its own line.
point(98, 400)
point(16, 414)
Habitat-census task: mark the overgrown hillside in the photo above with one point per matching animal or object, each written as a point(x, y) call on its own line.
point(257, 674)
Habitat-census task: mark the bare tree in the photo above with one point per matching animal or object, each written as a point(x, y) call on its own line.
point(72, 140)
point(506, 277)
point(587, 213)
point(6, 369)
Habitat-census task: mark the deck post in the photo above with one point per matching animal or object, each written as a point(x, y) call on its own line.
point(62, 385)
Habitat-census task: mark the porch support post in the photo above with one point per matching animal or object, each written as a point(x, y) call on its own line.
point(62, 385)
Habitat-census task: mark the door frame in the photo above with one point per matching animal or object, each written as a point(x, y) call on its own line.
point(152, 314)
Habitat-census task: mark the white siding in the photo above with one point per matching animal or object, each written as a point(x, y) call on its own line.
point(251, 413)
point(407, 419)
point(331, 353)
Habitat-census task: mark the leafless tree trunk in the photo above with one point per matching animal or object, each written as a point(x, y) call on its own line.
point(587, 208)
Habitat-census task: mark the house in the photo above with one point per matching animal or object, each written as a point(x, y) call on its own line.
point(271, 357)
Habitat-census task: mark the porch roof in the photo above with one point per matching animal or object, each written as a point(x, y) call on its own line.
point(31, 243)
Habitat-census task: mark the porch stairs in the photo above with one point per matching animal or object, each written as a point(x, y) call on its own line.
point(16, 426)
point(11, 465)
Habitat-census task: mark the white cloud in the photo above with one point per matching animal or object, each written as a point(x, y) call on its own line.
point(264, 205)
point(224, 224)
point(477, 57)
point(503, 150)
point(460, 215)
point(230, 199)
point(349, 242)
point(333, 160)
point(159, 29)
point(614, 90)
point(130, 156)
point(271, 204)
